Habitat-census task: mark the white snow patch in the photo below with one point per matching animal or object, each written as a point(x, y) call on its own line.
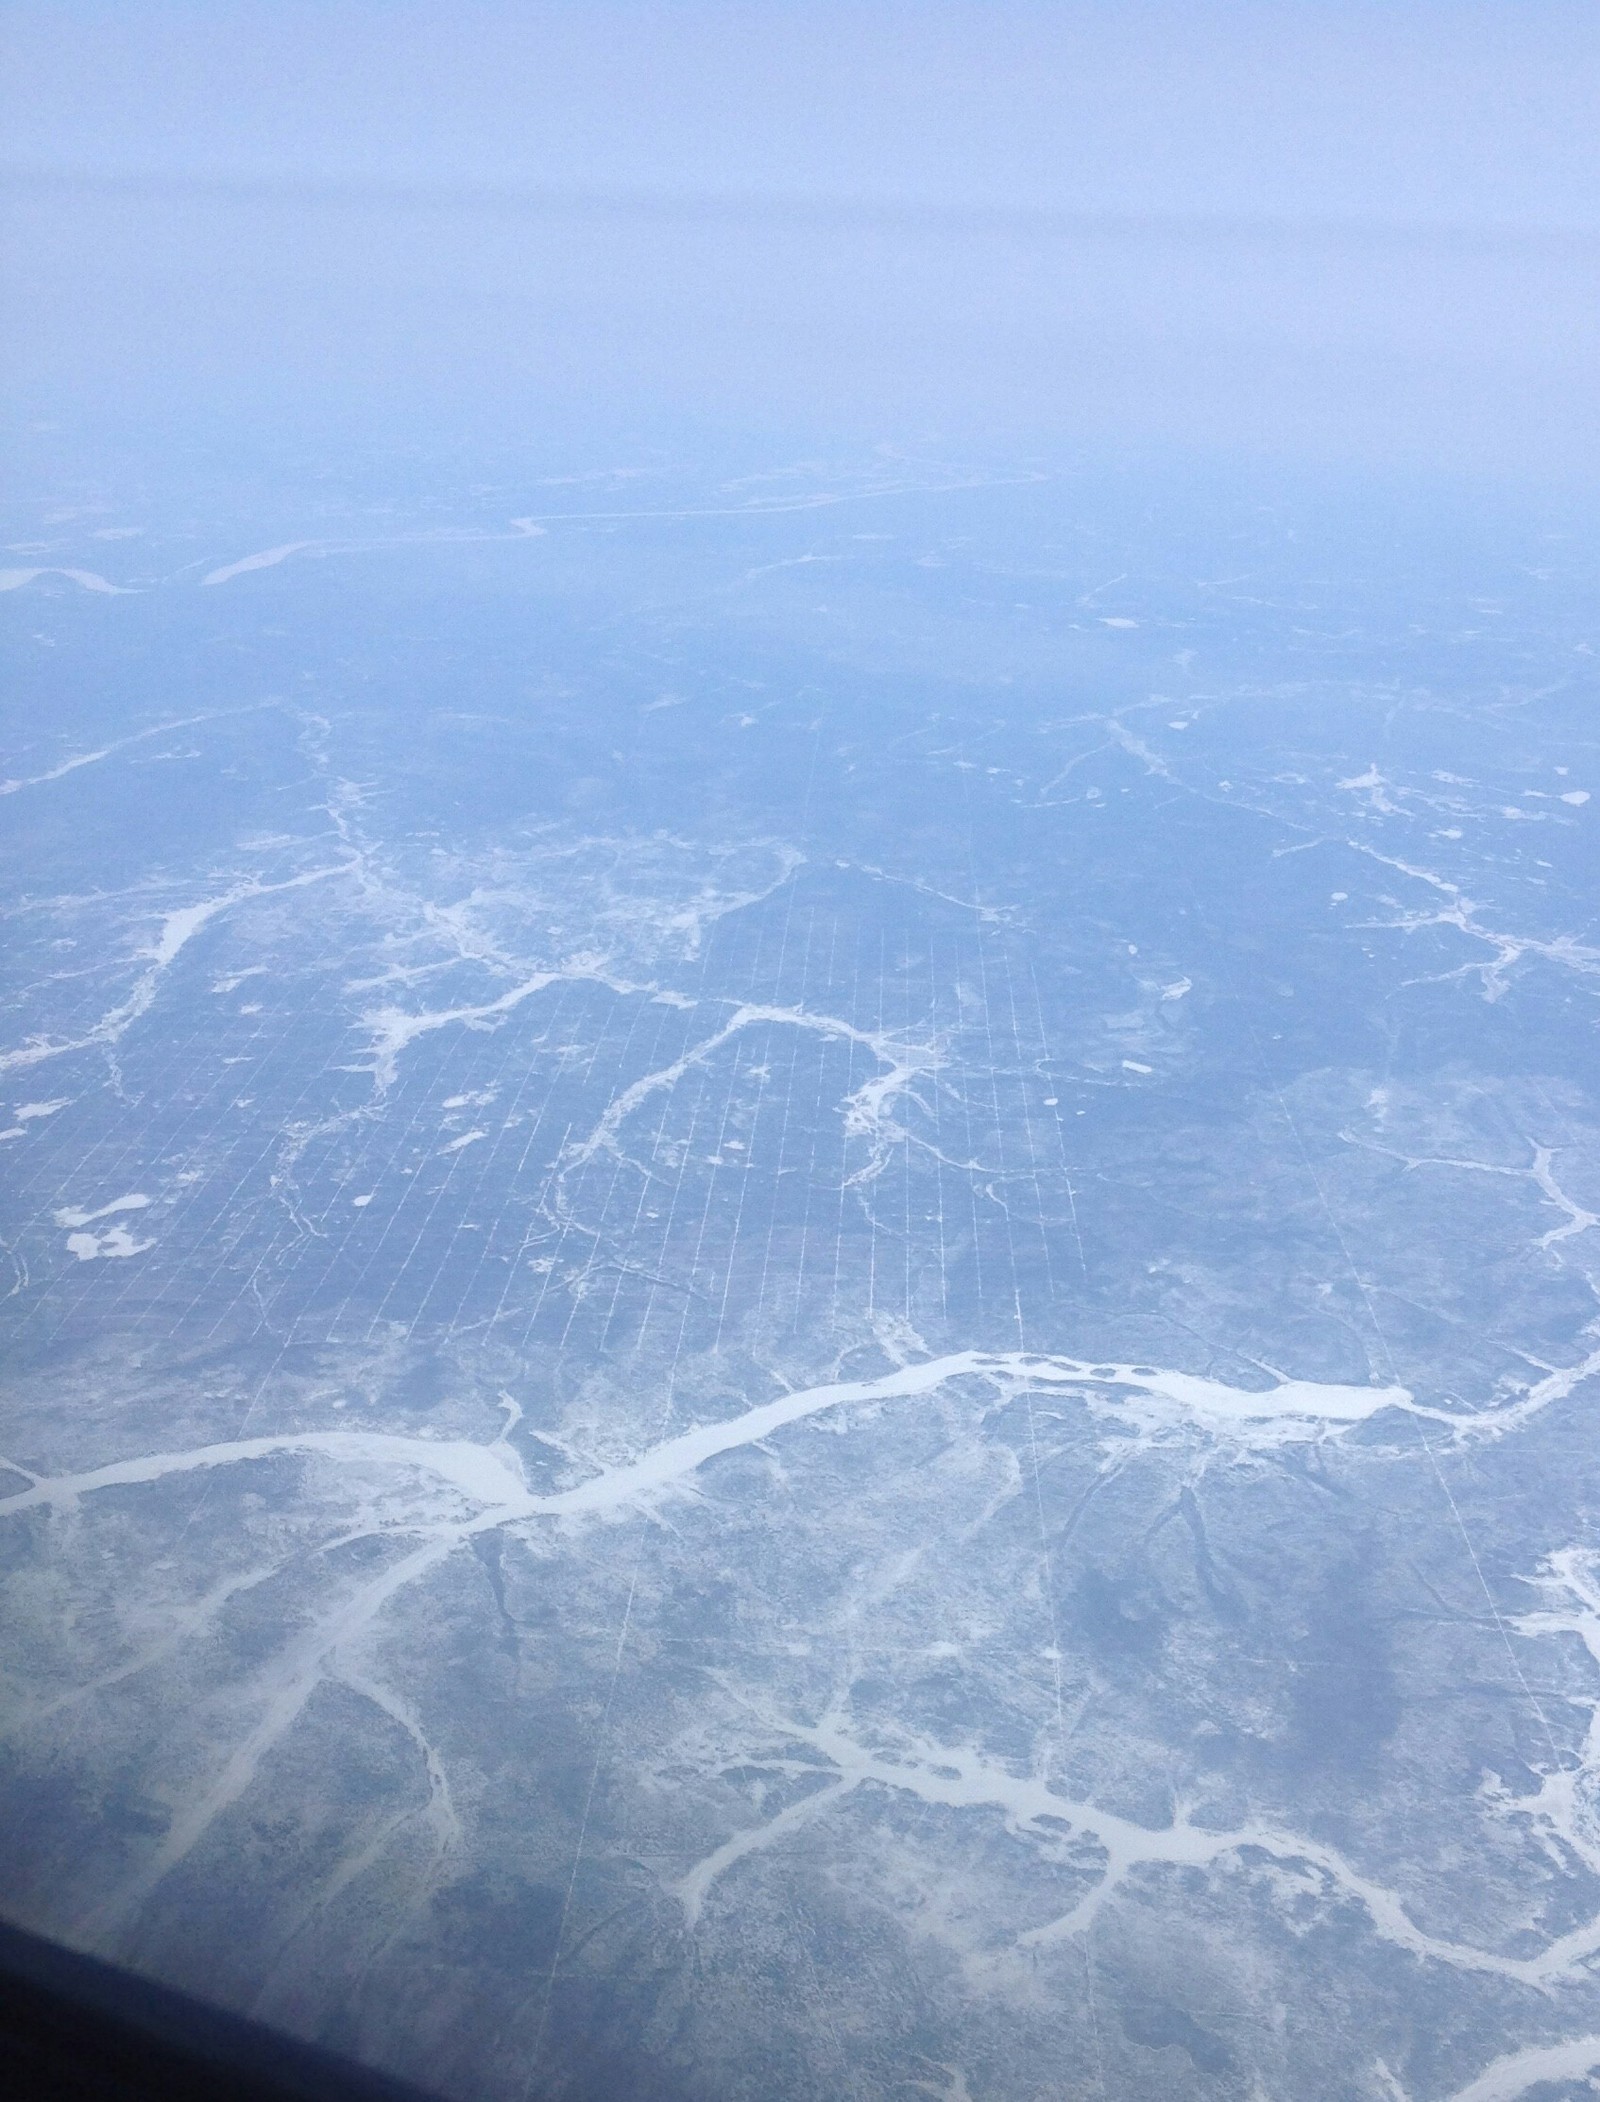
point(134, 1202)
point(269, 558)
point(1514, 2074)
point(86, 579)
point(115, 1241)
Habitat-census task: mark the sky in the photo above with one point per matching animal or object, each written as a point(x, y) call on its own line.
point(1344, 233)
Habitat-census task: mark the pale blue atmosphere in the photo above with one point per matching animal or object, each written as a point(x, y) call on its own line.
point(800, 1162)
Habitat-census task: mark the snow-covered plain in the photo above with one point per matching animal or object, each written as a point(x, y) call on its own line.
point(787, 1316)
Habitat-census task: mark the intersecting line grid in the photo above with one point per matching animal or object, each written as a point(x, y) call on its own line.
point(740, 1203)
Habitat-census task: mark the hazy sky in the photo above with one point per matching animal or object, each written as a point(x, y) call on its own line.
point(1333, 230)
